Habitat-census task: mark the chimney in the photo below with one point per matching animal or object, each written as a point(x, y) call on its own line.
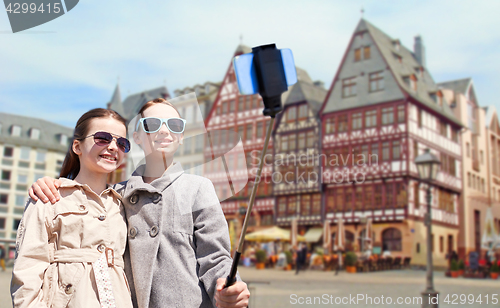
point(319, 83)
point(419, 50)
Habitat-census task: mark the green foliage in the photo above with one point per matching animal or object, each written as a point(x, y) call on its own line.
point(350, 259)
point(461, 264)
point(261, 256)
point(453, 266)
point(494, 267)
point(289, 257)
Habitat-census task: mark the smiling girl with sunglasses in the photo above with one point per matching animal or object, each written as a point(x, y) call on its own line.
point(69, 254)
point(178, 235)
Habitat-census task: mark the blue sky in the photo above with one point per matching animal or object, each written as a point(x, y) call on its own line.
point(65, 67)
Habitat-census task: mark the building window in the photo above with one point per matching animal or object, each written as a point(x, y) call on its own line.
point(357, 121)
point(292, 141)
point(467, 149)
point(15, 131)
point(481, 156)
point(330, 125)
point(310, 139)
point(25, 153)
point(248, 135)
point(387, 115)
point(249, 102)
point(415, 148)
point(260, 129)
point(401, 114)
point(22, 178)
point(419, 118)
point(389, 195)
point(302, 112)
point(442, 129)
point(316, 204)
point(378, 196)
point(305, 205)
point(385, 151)
point(349, 87)
point(441, 244)
point(284, 143)
point(416, 195)
point(391, 240)
point(20, 200)
point(371, 118)
point(6, 175)
point(4, 198)
point(418, 248)
point(291, 114)
point(343, 123)
point(376, 81)
point(302, 140)
point(396, 150)
point(2, 223)
point(292, 206)
point(8, 152)
point(357, 54)
point(35, 133)
point(232, 106)
point(366, 52)
point(241, 103)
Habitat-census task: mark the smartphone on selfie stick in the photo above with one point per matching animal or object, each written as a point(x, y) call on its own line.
point(268, 71)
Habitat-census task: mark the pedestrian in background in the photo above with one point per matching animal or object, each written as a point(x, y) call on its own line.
point(2, 258)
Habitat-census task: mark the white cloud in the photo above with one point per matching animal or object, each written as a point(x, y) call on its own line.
point(185, 43)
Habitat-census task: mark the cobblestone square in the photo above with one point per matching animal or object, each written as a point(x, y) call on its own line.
point(272, 288)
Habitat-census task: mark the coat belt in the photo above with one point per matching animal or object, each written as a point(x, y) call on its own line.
point(82, 255)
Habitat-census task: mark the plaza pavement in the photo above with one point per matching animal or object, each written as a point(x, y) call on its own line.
point(272, 288)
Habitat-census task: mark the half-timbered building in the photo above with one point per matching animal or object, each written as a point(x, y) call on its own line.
point(240, 115)
point(297, 173)
point(382, 110)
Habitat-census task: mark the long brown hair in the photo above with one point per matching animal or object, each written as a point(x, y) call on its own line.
point(152, 103)
point(71, 164)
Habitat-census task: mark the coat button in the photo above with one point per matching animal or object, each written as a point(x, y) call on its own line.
point(134, 199)
point(156, 198)
point(101, 248)
point(69, 289)
point(82, 207)
point(154, 231)
point(132, 232)
point(102, 217)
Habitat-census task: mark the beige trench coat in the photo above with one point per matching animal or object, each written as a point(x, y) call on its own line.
point(57, 244)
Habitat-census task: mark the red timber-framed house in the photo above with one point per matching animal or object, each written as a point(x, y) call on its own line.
point(233, 113)
point(382, 110)
point(297, 174)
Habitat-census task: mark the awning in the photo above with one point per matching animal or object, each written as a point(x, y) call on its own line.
point(313, 235)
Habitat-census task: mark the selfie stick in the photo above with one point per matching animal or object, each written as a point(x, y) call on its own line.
point(270, 72)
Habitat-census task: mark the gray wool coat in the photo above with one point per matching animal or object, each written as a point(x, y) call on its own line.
point(178, 239)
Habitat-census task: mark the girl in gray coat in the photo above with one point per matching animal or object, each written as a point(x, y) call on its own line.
point(178, 241)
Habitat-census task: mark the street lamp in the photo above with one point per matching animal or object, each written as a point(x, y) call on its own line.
point(428, 167)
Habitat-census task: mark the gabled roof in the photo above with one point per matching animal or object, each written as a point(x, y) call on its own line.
point(425, 83)
point(49, 132)
point(400, 70)
point(116, 101)
point(458, 86)
point(242, 49)
point(133, 103)
point(304, 90)
point(491, 113)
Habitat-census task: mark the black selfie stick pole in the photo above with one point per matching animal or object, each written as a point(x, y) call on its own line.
point(272, 83)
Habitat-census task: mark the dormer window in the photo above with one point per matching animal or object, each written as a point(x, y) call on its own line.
point(63, 139)
point(411, 81)
point(396, 44)
point(437, 97)
point(15, 131)
point(398, 58)
point(34, 133)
